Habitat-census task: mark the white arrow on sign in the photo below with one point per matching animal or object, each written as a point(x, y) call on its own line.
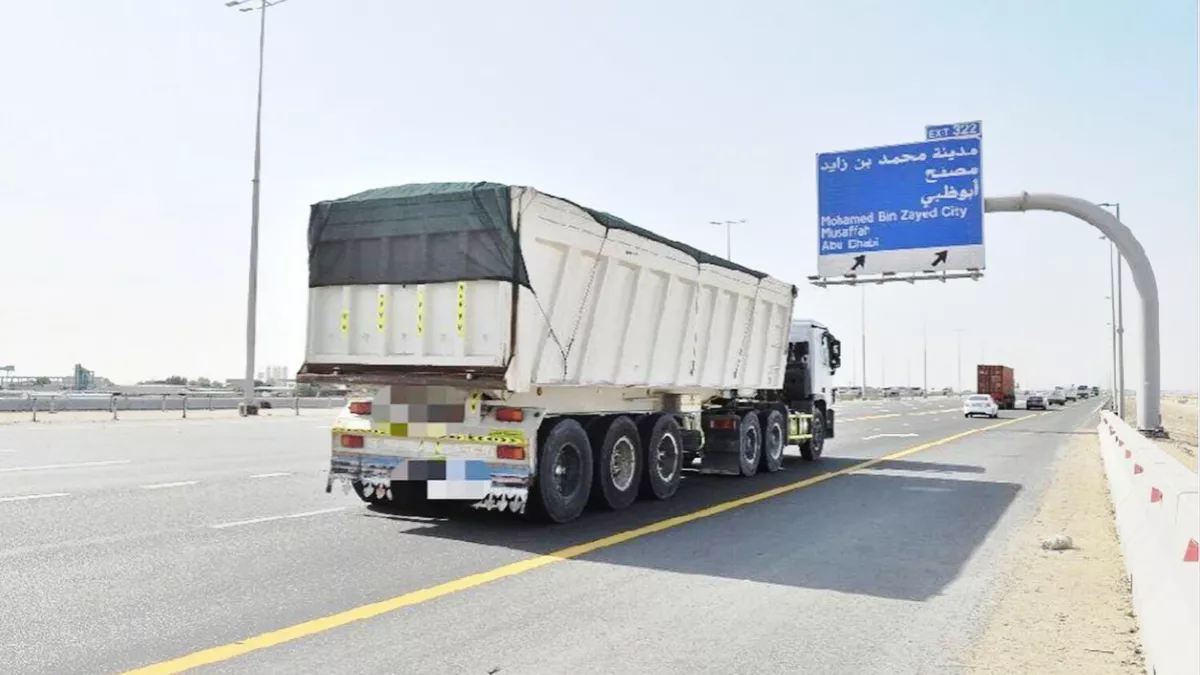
point(871, 438)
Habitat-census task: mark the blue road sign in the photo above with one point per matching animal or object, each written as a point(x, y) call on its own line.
point(941, 132)
point(901, 208)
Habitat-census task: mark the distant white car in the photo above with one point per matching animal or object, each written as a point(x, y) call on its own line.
point(980, 404)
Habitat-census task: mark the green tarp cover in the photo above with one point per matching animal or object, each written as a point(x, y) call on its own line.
point(434, 232)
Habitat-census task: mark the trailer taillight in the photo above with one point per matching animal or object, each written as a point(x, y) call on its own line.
point(360, 408)
point(352, 442)
point(510, 415)
point(724, 424)
point(510, 452)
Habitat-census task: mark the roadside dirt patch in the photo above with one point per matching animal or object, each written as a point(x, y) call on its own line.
point(1065, 611)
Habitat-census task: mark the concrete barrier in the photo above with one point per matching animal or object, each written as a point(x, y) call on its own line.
point(38, 406)
point(1158, 519)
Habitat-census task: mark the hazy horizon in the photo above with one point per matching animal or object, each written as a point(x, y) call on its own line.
point(127, 158)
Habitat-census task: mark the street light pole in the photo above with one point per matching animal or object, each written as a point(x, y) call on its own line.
point(1112, 302)
point(728, 234)
point(247, 406)
point(958, 332)
point(924, 357)
point(1120, 324)
point(863, 327)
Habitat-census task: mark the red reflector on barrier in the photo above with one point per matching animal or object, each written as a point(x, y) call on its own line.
point(510, 452)
point(360, 407)
point(1155, 495)
point(352, 441)
point(1128, 454)
point(1137, 468)
point(1192, 554)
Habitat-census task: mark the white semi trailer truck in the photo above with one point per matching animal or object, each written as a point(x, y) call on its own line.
point(528, 353)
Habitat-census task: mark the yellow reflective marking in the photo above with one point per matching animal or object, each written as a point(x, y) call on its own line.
point(345, 320)
point(420, 310)
point(381, 312)
point(461, 319)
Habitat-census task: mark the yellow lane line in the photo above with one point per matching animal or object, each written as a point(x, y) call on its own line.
point(320, 625)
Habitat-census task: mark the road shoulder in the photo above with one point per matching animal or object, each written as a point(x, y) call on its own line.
point(1064, 611)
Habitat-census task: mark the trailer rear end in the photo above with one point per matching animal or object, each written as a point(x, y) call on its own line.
point(999, 383)
point(526, 350)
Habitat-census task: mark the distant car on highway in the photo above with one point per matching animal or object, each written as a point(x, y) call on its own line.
point(980, 404)
point(1036, 401)
point(1070, 393)
point(1095, 391)
point(1057, 397)
point(1083, 392)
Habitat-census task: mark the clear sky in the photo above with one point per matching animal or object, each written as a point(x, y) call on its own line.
point(126, 138)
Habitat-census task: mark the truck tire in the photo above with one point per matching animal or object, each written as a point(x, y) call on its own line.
point(662, 440)
point(617, 473)
point(750, 444)
point(774, 435)
point(812, 448)
point(564, 473)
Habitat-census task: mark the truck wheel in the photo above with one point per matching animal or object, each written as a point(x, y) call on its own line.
point(774, 439)
point(750, 445)
point(811, 449)
point(564, 473)
point(618, 453)
point(663, 443)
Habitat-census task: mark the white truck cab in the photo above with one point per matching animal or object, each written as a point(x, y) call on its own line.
point(814, 355)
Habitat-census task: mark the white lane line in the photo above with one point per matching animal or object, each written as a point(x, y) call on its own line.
point(159, 486)
point(78, 465)
point(253, 521)
point(22, 498)
point(871, 438)
point(277, 474)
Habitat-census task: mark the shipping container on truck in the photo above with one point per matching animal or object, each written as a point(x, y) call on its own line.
point(529, 353)
point(999, 383)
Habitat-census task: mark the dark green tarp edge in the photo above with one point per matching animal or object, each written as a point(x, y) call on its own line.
point(470, 220)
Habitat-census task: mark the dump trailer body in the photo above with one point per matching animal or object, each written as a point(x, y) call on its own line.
point(518, 289)
point(999, 383)
point(484, 314)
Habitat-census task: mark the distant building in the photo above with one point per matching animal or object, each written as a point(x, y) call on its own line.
point(276, 374)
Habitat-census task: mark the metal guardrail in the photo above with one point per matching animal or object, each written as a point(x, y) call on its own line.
point(118, 403)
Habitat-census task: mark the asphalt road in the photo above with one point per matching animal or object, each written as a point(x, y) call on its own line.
point(133, 543)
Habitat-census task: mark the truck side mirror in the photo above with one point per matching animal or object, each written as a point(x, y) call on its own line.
point(835, 354)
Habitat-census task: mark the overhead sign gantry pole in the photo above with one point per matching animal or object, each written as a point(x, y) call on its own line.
point(1149, 408)
point(914, 212)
